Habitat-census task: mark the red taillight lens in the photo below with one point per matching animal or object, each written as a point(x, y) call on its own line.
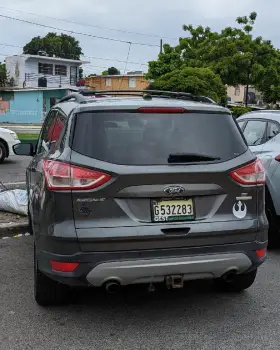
point(64, 266)
point(261, 253)
point(64, 176)
point(251, 174)
point(169, 110)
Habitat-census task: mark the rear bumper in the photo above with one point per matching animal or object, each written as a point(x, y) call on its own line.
point(155, 270)
point(154, 265)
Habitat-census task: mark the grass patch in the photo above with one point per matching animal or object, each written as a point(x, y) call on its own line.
point(24, 137)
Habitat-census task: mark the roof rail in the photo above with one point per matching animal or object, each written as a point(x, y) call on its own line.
point(76, 96)
point(79, 97)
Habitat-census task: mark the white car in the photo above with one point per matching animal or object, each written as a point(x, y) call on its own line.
point(8, 139)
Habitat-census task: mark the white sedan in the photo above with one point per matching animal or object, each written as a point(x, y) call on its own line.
point(8, 139)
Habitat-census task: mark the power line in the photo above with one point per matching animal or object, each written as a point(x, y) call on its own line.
point(78, 33)
point(10, 45)
point(90, 25)
point(93, 57)
point(115, 60)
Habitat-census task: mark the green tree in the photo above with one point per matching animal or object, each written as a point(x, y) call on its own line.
point(234, 54)
point(63, 46)
point(198, 81)
point(111, 71)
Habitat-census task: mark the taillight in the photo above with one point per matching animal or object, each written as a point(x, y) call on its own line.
point(251, 174)
point(169, 110)
point(64, 176)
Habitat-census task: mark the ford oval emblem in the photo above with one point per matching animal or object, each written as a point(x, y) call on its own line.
point(174, 190)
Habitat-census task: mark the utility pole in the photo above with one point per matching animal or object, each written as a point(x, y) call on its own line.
point(246, 96)
point(161, 45)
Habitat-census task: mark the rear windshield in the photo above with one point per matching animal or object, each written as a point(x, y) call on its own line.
point(149, 139)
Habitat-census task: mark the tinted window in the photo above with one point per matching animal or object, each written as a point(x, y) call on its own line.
point(45, 68)
point(57, 129)
point(255, 132)
point(60, 70)
point(148, 139)
point(46, 134)
point(273, 130)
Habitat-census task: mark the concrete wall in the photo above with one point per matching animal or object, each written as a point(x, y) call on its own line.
point(26, 106)
point(236, 93)
point(53, 81)
point(15, 66)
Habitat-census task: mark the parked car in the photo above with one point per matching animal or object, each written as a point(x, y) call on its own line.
point(262, 133)
point(8, 139)
point(155, 188)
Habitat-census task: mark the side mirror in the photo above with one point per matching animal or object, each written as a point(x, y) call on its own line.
point(23, 149)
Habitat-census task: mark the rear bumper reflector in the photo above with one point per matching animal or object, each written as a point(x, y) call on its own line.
point(261, 253)
point(64, 266)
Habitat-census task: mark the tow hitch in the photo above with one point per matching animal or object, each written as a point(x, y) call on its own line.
point(174, 282)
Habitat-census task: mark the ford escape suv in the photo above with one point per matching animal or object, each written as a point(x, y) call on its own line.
point(148, 188)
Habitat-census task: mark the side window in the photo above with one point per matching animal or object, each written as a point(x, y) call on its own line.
point(255, 132)
point(241, 124)
point(273, 130)
point(46, 134)
point(58, 130)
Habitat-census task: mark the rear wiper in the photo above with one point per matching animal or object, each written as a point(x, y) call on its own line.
point(190, 157)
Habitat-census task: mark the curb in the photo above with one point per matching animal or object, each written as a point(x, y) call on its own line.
point(10, 229)
point(15, 185)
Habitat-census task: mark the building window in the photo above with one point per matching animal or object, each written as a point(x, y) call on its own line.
point(73, 75)
point(60, 70)
point(108, 81)
point(132, 82)
point(45, 68)
point(237, 91)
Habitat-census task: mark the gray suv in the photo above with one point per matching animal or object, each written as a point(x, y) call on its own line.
point(143, 188)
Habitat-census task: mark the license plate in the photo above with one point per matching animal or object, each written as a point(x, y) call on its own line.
point(172, 210)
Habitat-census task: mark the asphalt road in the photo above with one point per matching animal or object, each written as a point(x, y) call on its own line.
point(194, 318)
point(13, 169)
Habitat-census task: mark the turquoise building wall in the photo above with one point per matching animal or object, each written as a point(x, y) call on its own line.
point(27, 106)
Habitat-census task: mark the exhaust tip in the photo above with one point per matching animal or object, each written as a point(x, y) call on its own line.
point(230, 275)
point(112, 287)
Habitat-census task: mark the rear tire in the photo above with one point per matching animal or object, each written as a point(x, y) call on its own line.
point(48, 292)
point(273, 219)
point(3, 152)
point(238, 284)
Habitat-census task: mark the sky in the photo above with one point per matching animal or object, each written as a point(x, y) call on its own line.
point(145, 22)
